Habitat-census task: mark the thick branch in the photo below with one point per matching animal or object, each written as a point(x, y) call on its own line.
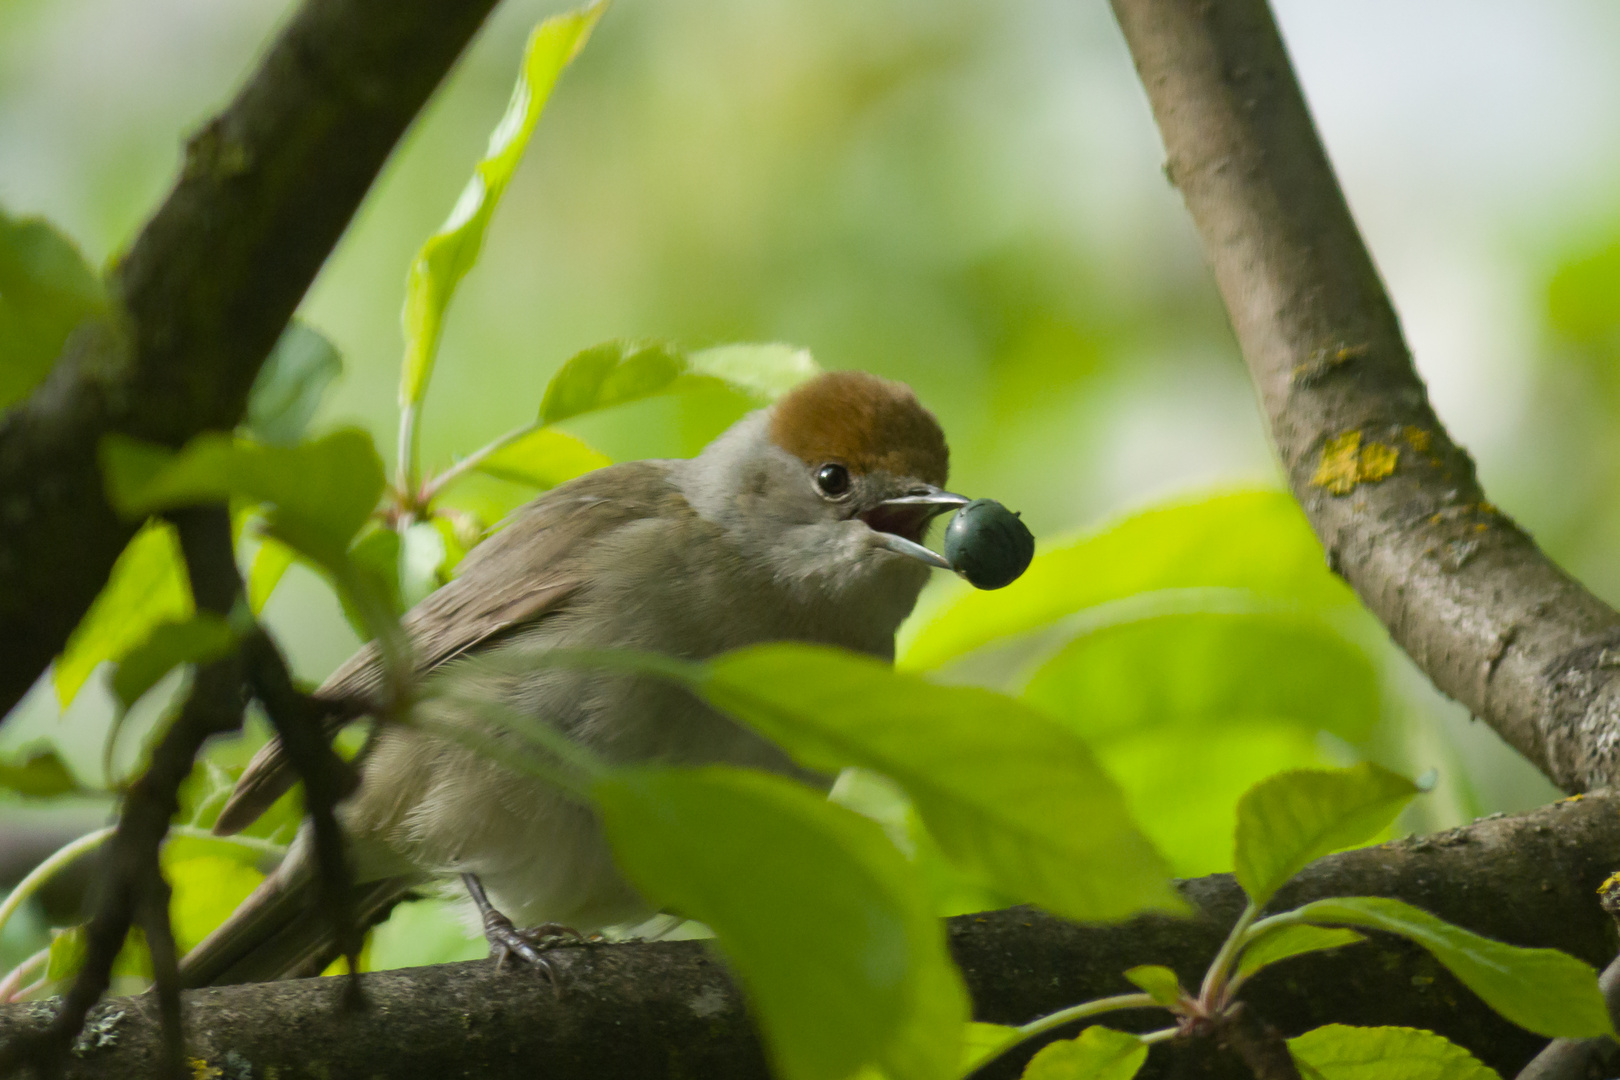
point(666, 1010)
point(266, 190)
point(1463, 590)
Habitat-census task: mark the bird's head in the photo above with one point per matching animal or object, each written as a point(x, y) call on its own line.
point(834, 485)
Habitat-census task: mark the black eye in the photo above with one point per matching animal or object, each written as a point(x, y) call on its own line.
point(832, 480)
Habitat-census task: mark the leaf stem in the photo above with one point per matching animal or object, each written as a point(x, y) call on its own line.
point(42, 873)
point(432, 488)
point(407, 468)
point(1063, 1016)
point(11, 988)
point(1215, 978)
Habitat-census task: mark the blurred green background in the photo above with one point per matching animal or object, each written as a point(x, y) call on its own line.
point(964, 194)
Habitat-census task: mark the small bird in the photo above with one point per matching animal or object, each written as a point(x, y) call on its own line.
point(803, 522)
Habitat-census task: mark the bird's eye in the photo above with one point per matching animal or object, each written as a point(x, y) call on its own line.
point(832, 480)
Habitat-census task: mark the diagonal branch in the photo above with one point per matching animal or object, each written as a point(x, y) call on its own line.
point(266, 190)
point(1395, 502)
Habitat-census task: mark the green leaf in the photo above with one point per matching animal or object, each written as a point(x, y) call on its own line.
point(422, 555)
point(41, 775)
point(1183, 788)
point(610, 374)
point(290, 384)
point(762, 371)
point(1284, 942)
point(197, 640)
point(376, 555)
point(543, 458)
point(270, 562)
point(206, 890)
point(1098, 1054)
point(618, 372)
point(863, 976)
point(1012, 797)
point(46, 289)
point(1206, 669)
point(1542, 990)
point(1293, 818)
point(317, 494)
point(1256, 540)
point(1160, 983)
point(1340, 1052)
point(981, 1042)
point(148, 585)
point(69, 949)
point(449, 253)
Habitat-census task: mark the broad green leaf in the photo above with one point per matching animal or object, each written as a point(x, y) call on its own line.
point(421, 561)
point(1255, 540)
point(981, 1042)
point(69, 949)
point(543, 458)
point(762, 371)
point(317, 494)
point(1098, 1054)
point(1340, 1052)
point(861, 978)
point(618, 372)
point(270, 562)
point(290, 384)
point(46, 289)
point(197, 640)
point(1207, 669)
point(206, 890)
point(449, 253)
point(609, 374)
point(376, 554)
point(1285, 942)
point(1012, 797)
point(1542, 990)
point(1296, 817)
point(40, 775)
point(148, 585)
point(1183, 790)
point(1160, 983)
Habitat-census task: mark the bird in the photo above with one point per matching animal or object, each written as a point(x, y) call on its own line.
point(804, 521)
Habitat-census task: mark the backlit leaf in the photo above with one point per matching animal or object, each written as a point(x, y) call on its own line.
point(1341, 1052)
point(1012, 797)
point(46, 289)
point(1098, 1054)
point(449, 253)
point(1160, 983)
point(1542, 990)
point(1291, 819)
point(290, 384)
point(197, 640)
point(40, 775)
point(1285, 942)
point(148, 585)
point(1254, 540)
point(862, 977)
point(543, 459)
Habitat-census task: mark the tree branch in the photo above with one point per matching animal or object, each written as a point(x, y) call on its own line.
point(667, 1009)
point(1396, 504)
point(266, 190)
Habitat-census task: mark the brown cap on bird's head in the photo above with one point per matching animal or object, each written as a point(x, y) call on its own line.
point(863, 422)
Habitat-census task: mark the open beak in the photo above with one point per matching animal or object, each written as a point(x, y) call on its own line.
point(899, 523)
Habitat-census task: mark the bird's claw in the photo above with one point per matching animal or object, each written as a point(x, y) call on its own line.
point(529, 946)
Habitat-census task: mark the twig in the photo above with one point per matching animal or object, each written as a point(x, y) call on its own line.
point(1260, 1045)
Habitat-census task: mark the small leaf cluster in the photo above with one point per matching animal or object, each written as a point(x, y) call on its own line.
point(1285, 823)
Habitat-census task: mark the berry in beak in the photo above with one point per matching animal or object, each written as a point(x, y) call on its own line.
point(899, 524)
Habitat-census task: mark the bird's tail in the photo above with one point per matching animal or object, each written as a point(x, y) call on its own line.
point(282, 930)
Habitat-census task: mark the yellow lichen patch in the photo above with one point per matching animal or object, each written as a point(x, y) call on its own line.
point(1416, 438)
point(201, 1070)
point(1346, 463)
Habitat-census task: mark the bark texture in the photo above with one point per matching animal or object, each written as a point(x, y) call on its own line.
point(668, 1009)
point(1395, 502)
point(265, 191)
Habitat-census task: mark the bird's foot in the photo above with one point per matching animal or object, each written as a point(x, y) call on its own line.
point(529, 945)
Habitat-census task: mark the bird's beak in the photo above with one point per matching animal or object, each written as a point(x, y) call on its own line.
point(899, 523)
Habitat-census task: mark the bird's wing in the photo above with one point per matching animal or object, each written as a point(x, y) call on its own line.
point(526, 571)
